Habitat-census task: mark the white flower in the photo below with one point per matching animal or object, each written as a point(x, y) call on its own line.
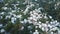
point(52, 33)
point(13, 10)
point(14, 15)
point(51, 22)
point(22, 27)
point(29, 21)
point(36, 32)
point(25, 20)
point(41, 16)
point(43, 29)
point(7, 17)
point(34, 16)
point(46, 29)
point(47, 21)
point(34, 19)
point(38, 16)
point(26, 10)
point(31, 14)
point(50, 17)
point(29, 27)
point(17, 4)
point(30, 31)
point(10, 13)
point(1, 25)
point(22, 21)
point(45, 25)
point(2, 13)
point(6, 4)
point(54, 29)
point(2, 30)
point(18, 16)
point(5, 8)
point(13, 20)
point(14, 6)
point(32, 5)
point(18, 8)
point(40, 26)
point(39, 22)
point(35, 23)
point(45, 17)
point(30, 18)
point(36, 26)
point(57, 24)
point(56, 21)
point(35, 13)
point(49, 26)
point(1, 17)
point(40, 8)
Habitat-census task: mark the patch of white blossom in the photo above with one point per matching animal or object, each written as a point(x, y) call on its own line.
point(36, 32)
point(36, 14)
point(35, 18)
point(2, 30)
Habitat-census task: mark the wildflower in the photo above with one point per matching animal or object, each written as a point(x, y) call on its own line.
point(30, 31)
point(5, 8)
point(22, 21)
point(39, 22)
point(22, 27)
point(40, 26)
point(1, 17)
point(36, 32)
point(2, 30)
point(34, 19)
point(13, 10)
point(46, 29)
point(50, 17)
point(31, 12)
point(14, 15)
point(29, 27)
point(6, 4)
point(18, 16)
point(29, 21)
point(25, 20)
point(1, 25)
point(54, 29)
point(45, 17)
point(10, 13)
point(47, 22)
point(13, 20)
point(30, 18)
point(49, 26)
point(7, 17)
point(43, 29)
point(2, 13)
point(36, 26)
point(52, 33)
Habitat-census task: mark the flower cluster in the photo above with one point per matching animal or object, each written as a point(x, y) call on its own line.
point(27, 20)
